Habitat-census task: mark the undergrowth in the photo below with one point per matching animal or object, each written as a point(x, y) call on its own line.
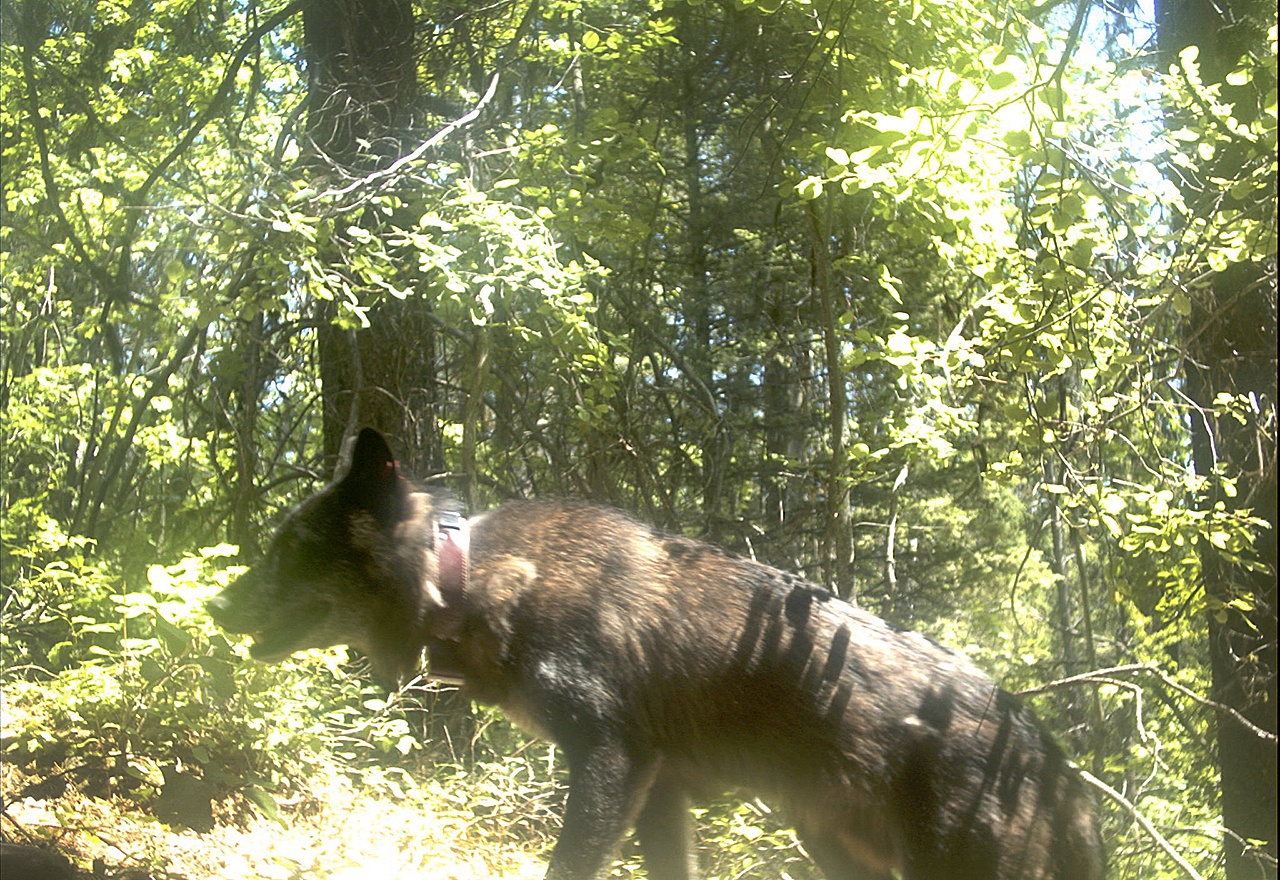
point(141, 742)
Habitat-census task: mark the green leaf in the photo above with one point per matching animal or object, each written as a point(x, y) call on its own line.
point(837, 155)
point(1181, 304)
point(810, 188)
point(150, 670)
point(175, 639)
point(264, 801)
point(1001, 80)
point(1113, 504)
point(1080, 254)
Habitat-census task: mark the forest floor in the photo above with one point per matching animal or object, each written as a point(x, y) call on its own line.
point(431, 819)
point(336, 832)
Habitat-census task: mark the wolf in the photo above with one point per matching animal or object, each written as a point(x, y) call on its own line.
point(664, 669)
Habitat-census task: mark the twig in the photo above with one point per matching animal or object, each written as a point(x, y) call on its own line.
point(1101, 674)
point(1160, 839)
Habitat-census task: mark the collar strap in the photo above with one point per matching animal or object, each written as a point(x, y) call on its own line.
point(453, 541)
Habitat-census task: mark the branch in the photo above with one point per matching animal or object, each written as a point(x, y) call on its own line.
point(224, 91)
point(1101, 675)
point(1073, 41)
point(1160, 839)
point(53, 195)
point(212, 109)
point(384, 175)
point(159, 380)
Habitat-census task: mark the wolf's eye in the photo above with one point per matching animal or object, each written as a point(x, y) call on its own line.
point(296, 562)
point(288, 556)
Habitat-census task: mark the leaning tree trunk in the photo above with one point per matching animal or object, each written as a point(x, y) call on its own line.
point(1230, 348)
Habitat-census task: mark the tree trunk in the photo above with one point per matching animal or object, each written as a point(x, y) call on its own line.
point(1233, 351)
point(384, 376)
point(361, 55)
point(1230, 349)
point(696, 296)
point(362, 97)
point(838, 530)
point(783, 404)
point(362, 93)
point(246, 394)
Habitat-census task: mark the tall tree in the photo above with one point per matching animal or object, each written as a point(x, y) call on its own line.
point(1229, 357)
point(362, 99)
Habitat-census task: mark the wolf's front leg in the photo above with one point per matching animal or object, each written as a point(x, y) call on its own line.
point(606, 787)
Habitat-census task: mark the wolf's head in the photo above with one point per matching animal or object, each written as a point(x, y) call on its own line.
point(352, 564)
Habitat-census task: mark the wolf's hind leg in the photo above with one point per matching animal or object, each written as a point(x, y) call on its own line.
point(665, 830)
point(833, 857)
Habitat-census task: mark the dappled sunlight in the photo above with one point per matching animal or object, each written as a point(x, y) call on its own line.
point(338, 833)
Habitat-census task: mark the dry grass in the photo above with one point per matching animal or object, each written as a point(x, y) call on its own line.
point(498, 820)
point(335, 833)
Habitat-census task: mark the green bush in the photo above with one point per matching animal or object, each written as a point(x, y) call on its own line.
point(136, 692)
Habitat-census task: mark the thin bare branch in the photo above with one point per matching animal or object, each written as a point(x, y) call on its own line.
point(1145, 823)
point(1147, 669)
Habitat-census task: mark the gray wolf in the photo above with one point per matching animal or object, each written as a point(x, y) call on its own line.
point(665, 668)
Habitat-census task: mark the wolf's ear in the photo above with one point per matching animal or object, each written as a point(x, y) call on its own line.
point(372, 478)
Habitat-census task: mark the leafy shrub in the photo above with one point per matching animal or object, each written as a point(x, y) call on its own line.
point(136, 692)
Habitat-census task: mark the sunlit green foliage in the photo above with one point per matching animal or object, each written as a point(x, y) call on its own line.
point(895, 296)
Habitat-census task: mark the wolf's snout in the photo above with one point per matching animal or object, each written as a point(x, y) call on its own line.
point(218, 608)
point(223, 609)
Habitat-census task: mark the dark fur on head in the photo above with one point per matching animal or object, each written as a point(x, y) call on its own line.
point(370, 531)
